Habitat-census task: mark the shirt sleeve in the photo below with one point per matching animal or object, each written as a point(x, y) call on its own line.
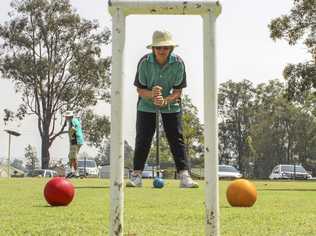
point(140, 77)
point(181, 80)
point(75, 124)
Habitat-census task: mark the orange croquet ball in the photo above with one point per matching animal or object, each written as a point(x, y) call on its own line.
point(241, 193)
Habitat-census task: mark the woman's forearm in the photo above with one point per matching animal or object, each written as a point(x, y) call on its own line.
point(145, 93)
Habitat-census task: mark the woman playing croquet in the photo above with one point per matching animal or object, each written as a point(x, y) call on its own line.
point(160, 79)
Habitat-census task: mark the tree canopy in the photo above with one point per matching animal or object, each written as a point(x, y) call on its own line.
point(298, 26)
point(54, 57)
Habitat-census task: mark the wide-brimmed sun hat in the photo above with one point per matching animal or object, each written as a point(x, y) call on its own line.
point(162, 38)
point(69, 114)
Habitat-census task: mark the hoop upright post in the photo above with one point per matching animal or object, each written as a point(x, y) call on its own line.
point(210, 130)
point(117, 144)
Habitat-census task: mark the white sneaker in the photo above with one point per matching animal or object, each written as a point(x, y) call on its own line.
point(70, 175)
point(186, 180)
point(135, 181)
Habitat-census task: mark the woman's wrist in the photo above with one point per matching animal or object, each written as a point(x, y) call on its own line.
point(169, 100)
point(165, 102)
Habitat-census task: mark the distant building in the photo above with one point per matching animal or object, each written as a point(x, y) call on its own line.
point(13, 171)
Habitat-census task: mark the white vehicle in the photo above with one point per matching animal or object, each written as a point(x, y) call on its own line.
point(150, 172)
point(289, 172)
point(88, 168)
point(228, 172)
point(42, 173)
point(104, 172)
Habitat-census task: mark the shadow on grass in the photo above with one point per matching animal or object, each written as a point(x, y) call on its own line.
point(224, 207)
point(284, 189)
point(95, 187)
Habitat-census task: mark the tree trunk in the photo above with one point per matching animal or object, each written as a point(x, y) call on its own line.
point(45, 150)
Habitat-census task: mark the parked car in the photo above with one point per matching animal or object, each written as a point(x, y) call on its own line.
point(147, 174)
point(104, 172)
point(88, 168)
point(228, 172)
point(150, 172)
point(289, 172)
point(42, 173)
point(67, 169)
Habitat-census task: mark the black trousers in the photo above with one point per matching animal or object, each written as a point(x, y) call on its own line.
point(145, 129)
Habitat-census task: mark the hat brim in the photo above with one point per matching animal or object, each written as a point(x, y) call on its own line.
point(162, 44)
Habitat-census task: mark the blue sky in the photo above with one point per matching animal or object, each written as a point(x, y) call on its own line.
point(244, 51)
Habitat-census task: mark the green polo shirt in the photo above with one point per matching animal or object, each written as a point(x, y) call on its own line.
point(169, 76)
point(77, 138)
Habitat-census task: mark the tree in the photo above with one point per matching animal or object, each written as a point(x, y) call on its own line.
point(165, 155)
point(235, 108)
point(192, 130)
point(270, 128)
point(8, 116)
point(96, 128)
point(259, 128)
point(103, 156)
point(18, 164)
point(298, 25)
point(282, 132)
point(54, 58)
point(305, 137)
point(97, 132)
point(192, 134)
point(31, 158)
point(128, 155)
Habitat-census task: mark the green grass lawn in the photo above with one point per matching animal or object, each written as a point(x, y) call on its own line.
point(282, 208)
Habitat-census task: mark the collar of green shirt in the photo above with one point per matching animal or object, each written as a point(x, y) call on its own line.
point(172, 58)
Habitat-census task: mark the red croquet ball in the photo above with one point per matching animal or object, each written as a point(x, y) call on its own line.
point(59, 192)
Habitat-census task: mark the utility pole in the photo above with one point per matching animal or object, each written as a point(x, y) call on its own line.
point(14, 133)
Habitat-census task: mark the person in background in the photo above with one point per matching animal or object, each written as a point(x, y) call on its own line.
point(160, 79)
point(76, 141)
